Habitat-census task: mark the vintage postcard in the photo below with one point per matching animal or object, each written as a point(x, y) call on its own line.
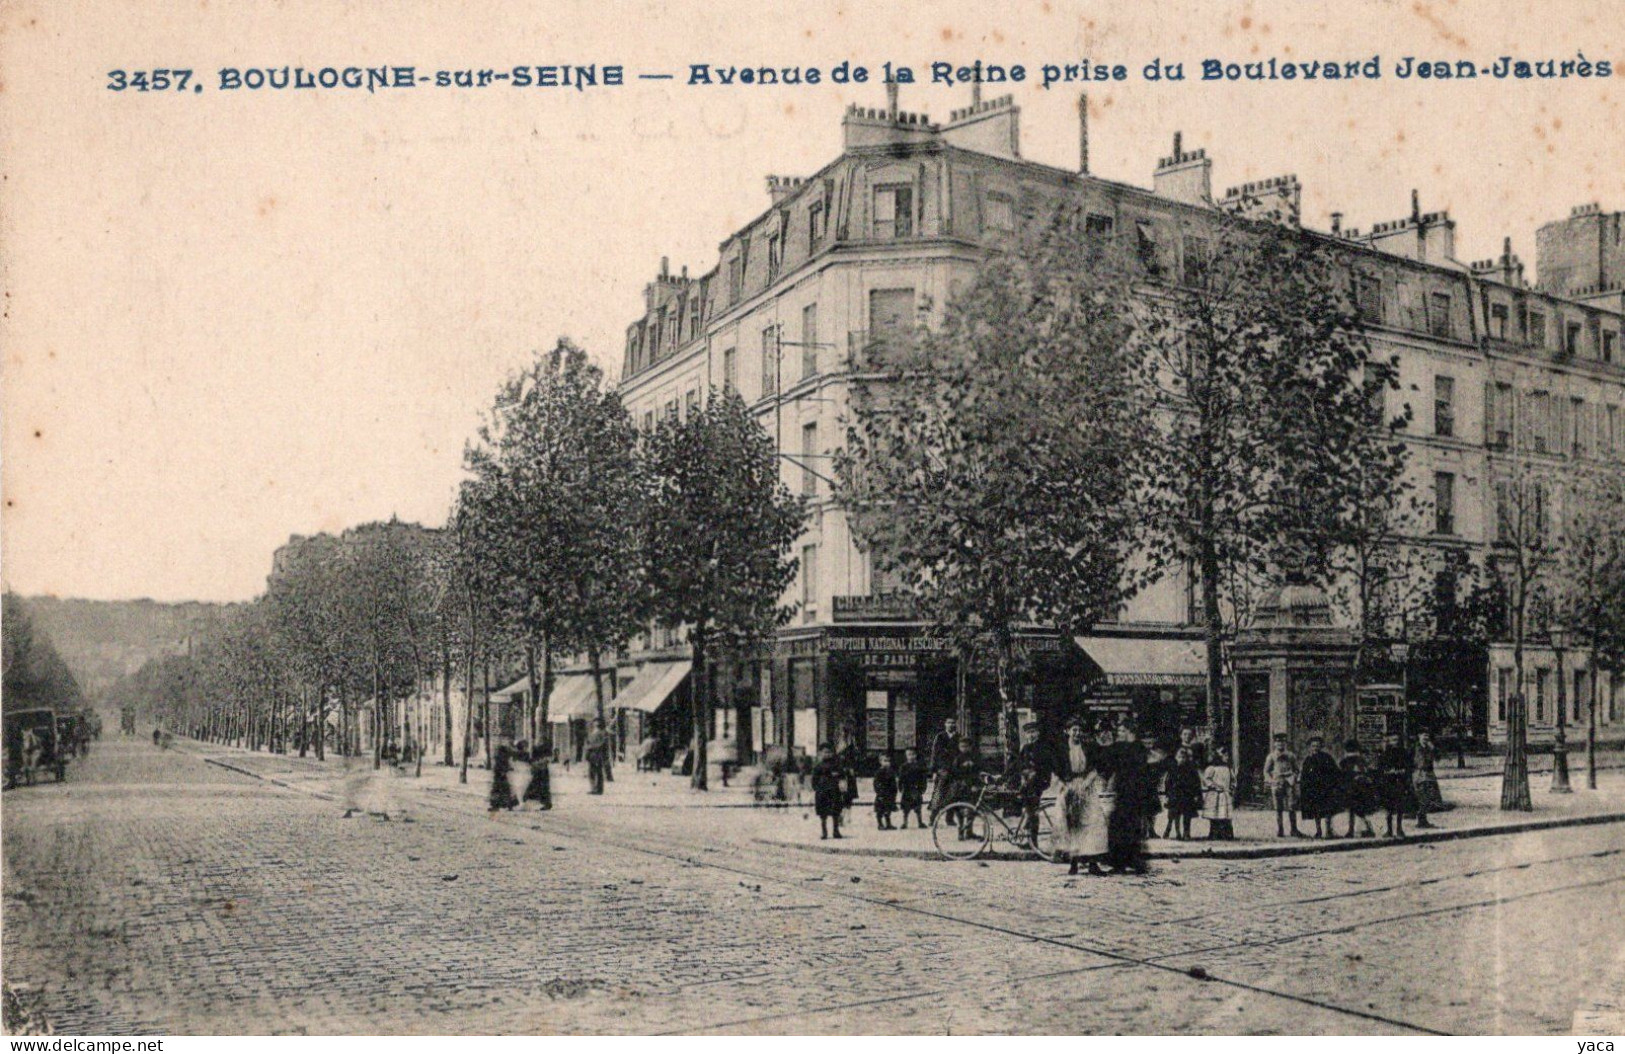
point(771, 518)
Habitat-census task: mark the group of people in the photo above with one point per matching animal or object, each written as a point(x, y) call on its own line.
point(897, 788)
point(539, 787)
point(1398, 781)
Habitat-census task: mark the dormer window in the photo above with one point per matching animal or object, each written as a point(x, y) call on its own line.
point(894, 212)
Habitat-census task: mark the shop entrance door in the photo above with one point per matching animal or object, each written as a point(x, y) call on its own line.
point(889, 721)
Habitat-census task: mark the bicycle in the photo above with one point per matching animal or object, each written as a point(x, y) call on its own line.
point(964, 830)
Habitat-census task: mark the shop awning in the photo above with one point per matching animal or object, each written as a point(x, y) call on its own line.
point(654, 686)
point(574, 697)
point(514, 690)
point(1148, 660)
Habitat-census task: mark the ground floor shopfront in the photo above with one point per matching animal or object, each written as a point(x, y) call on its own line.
point(886, 687)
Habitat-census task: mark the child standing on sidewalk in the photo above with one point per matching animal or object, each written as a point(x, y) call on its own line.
point(885, 793)
point(911, 781)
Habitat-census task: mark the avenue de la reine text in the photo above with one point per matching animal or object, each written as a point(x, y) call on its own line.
point(592, 76)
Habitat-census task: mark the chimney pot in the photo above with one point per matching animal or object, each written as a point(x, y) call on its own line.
point(1337, 223)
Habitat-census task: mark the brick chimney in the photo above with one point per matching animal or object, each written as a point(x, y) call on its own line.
point(1186, 177)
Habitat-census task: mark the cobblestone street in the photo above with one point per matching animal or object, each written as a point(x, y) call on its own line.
point(158, 893)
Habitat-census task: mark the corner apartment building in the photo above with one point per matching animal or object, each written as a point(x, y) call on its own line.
point(889, 230)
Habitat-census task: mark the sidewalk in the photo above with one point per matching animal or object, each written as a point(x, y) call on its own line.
point(1476, 813)
point(730, 815)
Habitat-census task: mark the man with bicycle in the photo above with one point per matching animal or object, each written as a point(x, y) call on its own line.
point(1029, 775)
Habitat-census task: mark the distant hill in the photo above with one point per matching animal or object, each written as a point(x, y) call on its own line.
point(104, 640)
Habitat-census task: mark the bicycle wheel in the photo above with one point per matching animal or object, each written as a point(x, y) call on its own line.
point(1044, 846)
point(961, 831)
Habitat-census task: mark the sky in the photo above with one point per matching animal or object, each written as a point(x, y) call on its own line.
point(230, 317)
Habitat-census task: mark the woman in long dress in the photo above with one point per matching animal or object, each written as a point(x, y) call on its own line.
point(501, 788)
point(1082, 837)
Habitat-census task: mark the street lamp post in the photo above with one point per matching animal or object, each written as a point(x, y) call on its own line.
point(1560, 636)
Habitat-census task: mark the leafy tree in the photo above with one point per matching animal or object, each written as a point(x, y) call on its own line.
point(1588, 578)
point(1268, 440)
point(720, 529)
point(557, 478)
point(989, 464)
point(35, 674)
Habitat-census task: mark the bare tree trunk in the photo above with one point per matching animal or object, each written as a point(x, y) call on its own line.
point(485, 708)
point(445, 695)
point(702, 724)
point(468, 696)
point(1515, 774)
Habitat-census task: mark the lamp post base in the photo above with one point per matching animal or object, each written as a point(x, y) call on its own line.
point(1560, 767)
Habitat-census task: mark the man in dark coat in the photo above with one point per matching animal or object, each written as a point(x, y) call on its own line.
point(1319, 788)
point(597, 756)
point(944, 749)
point(1394, 783)
point(1136, 795)
point(911, 781)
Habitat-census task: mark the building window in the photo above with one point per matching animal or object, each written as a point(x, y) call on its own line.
point(1444, 406)
point(671, 410)
point(772, 257)
point(1439, 314)
point(809, 453)
point(894, 211)
point(1499, 415)
point(1196, 261)
point(1578, 695)
point(1543, 678)
point(1001, 213)
point(770, 360)
point(1498, 321)
point(809, 583)
point(815, 224)
point(1146, 247)
point(1571, 340)
point(736, 279)
point(1444, 503)
point(1098, 225)
point(1609, 339)
point(891, 318)
point(1616, 439)
point(1368, 293)
point(1537, 329)
point(1503, 681)
point(730, 371)
point(1540, 416)
point(809, 341)
point(649, 421)
point(694, 318)
point(1577, 427)
point(693, 402)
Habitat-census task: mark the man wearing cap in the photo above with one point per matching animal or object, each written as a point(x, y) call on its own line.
point(1281, 777)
